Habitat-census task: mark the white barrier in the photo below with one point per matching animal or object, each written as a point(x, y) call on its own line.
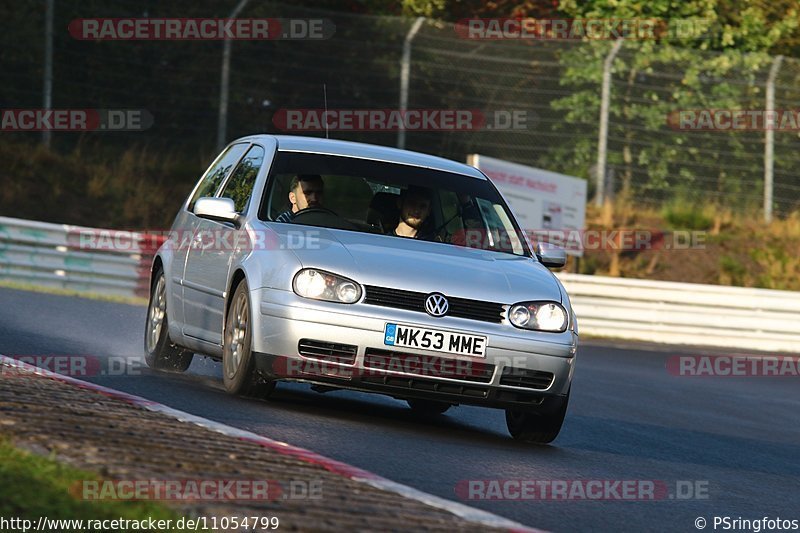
point(686, 313)
point(55, 255)
point(658, 311)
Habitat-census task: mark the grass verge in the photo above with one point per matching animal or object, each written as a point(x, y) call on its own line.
point(34, 486)
point(130, 300)
point(718, 246)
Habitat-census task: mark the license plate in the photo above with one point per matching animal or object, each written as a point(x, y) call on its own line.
point(435, 340)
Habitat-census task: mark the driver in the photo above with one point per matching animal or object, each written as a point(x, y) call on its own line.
point(414, 205)
point(305, 190)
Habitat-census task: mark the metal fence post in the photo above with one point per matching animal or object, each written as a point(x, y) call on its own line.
point(602, 141)
point(405, 74)
point(769, 140)
point(47, 89)
point(222, 124)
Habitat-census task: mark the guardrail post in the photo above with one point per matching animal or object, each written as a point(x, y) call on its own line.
point(769, 140)
point(602, 141)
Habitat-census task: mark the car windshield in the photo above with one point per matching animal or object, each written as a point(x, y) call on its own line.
point(395, 200)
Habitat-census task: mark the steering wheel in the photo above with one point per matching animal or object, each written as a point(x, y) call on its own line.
point(315, 209)
point(322, 217)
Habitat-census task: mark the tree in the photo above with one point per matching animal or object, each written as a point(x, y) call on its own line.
point(722, 68)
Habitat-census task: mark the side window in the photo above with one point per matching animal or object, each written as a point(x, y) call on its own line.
point(240, 185)
point(216, 174)
point(489, 214)
point(501, 231)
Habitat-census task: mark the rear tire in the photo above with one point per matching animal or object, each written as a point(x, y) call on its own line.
point(428, 407)
point(239, 372)
point(537, 427)
point(159, 352)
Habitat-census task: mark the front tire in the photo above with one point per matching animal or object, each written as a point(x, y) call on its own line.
point(159, 352)
point(239, 372)
point(537, 427)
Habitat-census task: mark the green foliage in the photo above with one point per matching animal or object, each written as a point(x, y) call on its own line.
point(135, 188)
point(36, 486)
point(731, 268)
point(423, 8)
point(723, 67)
point(738, 25)
point(778, 263)
point(682, 215)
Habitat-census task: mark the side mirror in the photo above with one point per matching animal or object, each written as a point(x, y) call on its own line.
point(551, 256)
point(217, 209)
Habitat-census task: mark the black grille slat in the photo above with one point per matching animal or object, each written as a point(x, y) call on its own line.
point(478, 314)
point(475, 307)
point(415, 301)
point(529, 379)
point(471, 303)
point(328, 351)
point(429, 386)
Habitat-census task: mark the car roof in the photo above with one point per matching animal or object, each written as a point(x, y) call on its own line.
point(295, 143)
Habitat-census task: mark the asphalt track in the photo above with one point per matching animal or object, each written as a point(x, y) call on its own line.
point(629, 419)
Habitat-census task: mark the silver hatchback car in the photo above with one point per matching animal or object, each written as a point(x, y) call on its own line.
point(352, 266)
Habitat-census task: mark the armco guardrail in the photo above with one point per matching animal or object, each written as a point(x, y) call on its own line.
point(686, 313)
point(59, 255)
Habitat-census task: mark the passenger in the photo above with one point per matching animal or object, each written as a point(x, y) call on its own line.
point(305, 190)
point(414, 205)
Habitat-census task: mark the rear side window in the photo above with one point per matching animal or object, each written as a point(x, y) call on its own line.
point(216, 174)
point(240, 186)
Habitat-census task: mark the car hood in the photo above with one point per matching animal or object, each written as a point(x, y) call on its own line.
point(421, 266)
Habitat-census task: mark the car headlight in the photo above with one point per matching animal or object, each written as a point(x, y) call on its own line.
point(321, 285)
point(539, 316)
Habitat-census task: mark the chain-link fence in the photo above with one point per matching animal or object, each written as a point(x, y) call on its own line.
point(554, 85)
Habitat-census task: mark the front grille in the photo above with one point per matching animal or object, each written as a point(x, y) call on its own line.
point(428, 365)
point(328, 351)
point(415, 301)
point(529, 379)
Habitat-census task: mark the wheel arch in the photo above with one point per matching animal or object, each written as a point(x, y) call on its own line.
point(237, 277)
point(158, 263)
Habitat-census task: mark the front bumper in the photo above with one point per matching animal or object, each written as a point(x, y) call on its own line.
point(283, 319)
